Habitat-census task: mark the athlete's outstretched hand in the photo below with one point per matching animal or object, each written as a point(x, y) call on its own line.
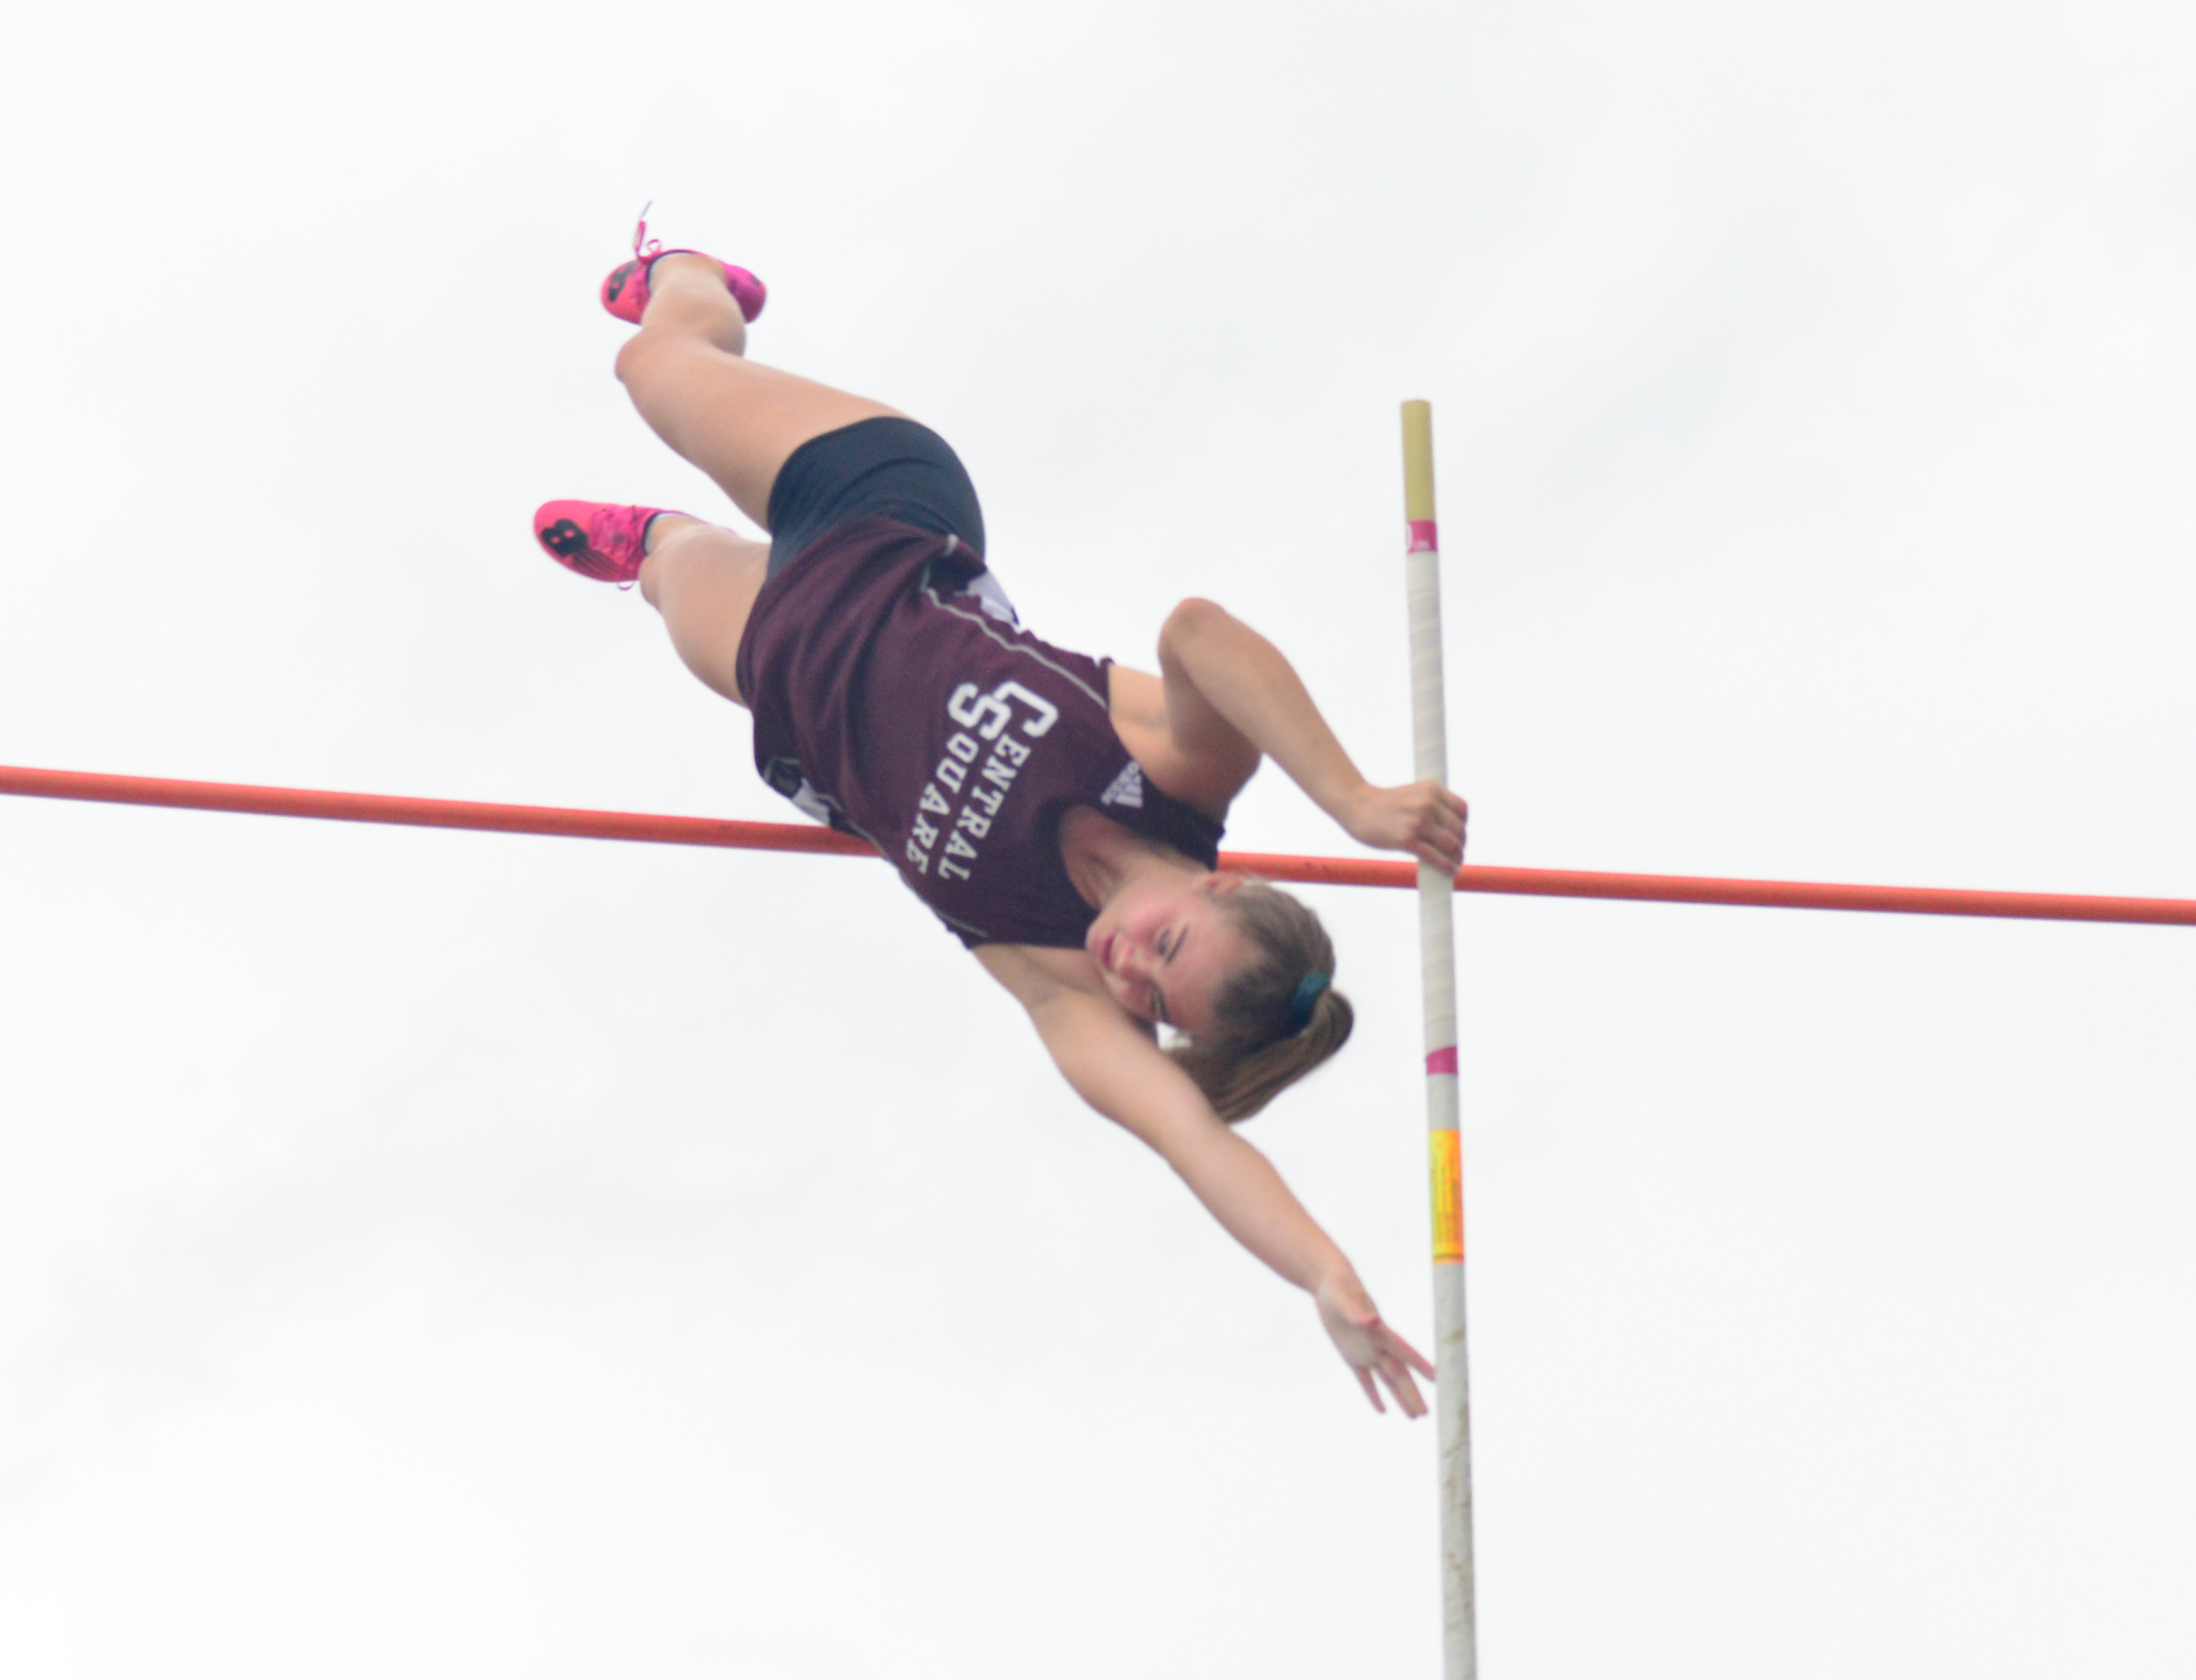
point(1424, 818)
point(1371, 1349)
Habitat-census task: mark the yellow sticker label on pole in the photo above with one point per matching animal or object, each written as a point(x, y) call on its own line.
point(1448, 1196)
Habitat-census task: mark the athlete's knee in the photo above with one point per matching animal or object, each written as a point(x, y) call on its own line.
point(640, 353)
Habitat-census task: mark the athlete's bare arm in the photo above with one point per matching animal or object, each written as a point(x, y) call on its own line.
point(1225, 697)
point(1114, 1065)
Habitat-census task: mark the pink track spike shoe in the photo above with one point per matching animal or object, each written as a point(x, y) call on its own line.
point(597, 539)
point(624, 294)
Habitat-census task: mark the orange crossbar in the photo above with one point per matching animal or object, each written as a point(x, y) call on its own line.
point(527, 819)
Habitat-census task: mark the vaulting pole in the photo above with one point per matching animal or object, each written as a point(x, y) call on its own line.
point(1437, 964)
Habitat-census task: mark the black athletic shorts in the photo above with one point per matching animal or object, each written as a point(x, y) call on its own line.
point(884, 465)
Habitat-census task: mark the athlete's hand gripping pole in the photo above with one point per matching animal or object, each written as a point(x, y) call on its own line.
point(1437, 961)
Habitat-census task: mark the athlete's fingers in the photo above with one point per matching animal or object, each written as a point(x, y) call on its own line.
point(1412, 1356)
point(1455, 814)
point(1407, 1392)
point(1373, 1394)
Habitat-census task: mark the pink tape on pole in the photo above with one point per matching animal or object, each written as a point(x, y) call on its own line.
point(1441, 1061)
point(1423, 538)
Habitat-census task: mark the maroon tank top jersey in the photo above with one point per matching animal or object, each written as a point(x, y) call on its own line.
point(896, 698)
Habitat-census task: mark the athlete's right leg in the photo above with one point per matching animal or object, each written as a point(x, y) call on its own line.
point(704, 580)
point(688, 375)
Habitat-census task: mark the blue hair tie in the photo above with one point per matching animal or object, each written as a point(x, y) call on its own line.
point(1307, 995)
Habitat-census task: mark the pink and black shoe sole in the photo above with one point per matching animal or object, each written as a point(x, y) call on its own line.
point(626, 294)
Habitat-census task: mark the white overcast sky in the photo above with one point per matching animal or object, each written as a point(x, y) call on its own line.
point(454, 1254)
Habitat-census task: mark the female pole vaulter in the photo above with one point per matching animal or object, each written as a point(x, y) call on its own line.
point(1061, 814)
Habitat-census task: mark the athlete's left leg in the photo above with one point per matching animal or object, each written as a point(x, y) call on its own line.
point(688, 373)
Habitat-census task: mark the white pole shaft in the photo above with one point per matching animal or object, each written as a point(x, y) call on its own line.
point(1437, 961)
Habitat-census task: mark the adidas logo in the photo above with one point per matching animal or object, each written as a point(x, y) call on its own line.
point(1128, 787)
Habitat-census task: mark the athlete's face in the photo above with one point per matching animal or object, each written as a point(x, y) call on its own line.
point(1165, 950)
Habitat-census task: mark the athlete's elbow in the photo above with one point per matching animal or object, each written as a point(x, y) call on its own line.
point(1193, 619)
